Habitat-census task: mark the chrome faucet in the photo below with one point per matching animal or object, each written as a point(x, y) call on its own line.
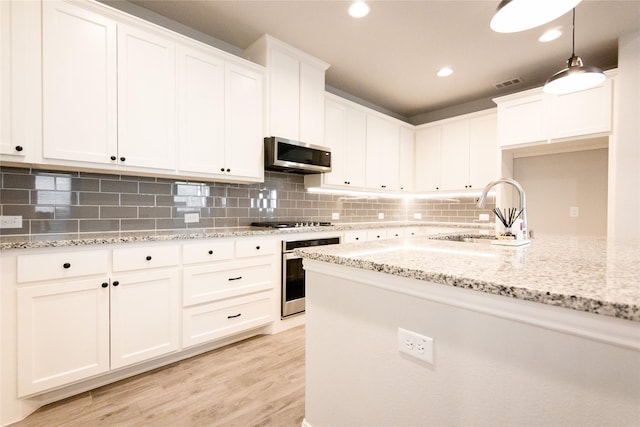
point(523, 200)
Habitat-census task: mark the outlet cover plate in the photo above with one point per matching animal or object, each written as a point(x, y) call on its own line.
point(190, 218)
point(11, 221)
point(415, 345)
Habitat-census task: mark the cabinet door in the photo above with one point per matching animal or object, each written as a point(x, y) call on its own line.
point(454, 155)
point(523, 120)
point(582, 113)
point(79, 84)
point(146, 99)
point(383, 154)
point(244, 143)
point(311, 104)
point(336, 139)
point(407, 157)
point(145, 316)
point(428, 157)
point(6, 143)
point(201, 111)
point(284, 96)
point(484, 153)
point(355, 147)
point(63, 333)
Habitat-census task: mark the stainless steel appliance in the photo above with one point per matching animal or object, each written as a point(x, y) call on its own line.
point(293, 275)
point(285, 155)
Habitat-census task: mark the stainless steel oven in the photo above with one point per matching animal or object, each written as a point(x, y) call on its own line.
point(293, 277)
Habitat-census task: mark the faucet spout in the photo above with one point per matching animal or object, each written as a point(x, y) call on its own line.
point(523, 199)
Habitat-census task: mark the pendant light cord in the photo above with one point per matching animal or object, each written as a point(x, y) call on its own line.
point(573, 32)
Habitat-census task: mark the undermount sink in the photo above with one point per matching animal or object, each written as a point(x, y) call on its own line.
point(469, 239)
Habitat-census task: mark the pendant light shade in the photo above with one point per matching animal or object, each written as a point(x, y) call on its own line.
point(576, 76)
point(519, 15)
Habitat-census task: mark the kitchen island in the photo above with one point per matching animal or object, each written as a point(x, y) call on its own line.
point(545, 334)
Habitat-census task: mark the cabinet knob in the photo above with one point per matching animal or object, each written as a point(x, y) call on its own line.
point(116, 283)
point(383, 186)
point(122, 159)
point(228, 170)
point(148, 258)
point(257, 248)
point(66, 265)
point(221, 169)
point(113, 158)
point(210, 252)
point(357, 238)
point(104, 284)
point(233, 316)
point(437, 188)
point(19, 148)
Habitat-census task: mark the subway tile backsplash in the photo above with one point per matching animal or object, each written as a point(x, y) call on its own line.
point(52, 202)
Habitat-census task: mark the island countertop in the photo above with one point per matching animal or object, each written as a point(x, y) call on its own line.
point(582, 273)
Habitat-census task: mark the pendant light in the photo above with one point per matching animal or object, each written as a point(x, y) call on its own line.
point(519, 15)
point(576, 76)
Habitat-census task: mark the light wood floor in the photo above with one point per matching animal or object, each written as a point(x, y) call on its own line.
point(256, 382)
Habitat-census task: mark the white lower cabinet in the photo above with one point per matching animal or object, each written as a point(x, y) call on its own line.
point(63, 333)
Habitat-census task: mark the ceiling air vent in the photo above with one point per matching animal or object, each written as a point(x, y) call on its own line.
point(508, 83)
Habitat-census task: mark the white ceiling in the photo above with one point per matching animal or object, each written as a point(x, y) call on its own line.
point(390, 58)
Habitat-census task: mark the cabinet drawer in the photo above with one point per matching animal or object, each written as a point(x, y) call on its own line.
point(211, 250)
point(126, 259)
point(60, 265)
point(355, 236)
point(219, 319)
point(376, 234)
point(255, 247)
point(213, 282)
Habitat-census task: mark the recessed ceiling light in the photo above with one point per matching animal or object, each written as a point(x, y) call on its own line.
point(359, 9)
point(550, 35)
point(444, 72)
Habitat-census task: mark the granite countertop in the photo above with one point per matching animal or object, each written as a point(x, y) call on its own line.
point(588, 274)
point(84, 239)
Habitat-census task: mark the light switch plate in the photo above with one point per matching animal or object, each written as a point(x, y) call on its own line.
point(190, 218)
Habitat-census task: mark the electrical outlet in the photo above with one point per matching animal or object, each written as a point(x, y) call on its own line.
point(483, 217)
point(574, 211)
point(417, 215)
point(415, 345)
point(11, 221)
point(381, 215)
point(335, 215)
point(190, 218)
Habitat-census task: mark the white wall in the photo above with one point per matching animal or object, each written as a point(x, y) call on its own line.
point(556, 182)
point(624, 147)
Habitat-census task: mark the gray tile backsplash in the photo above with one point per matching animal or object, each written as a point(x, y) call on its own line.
point(70, 202)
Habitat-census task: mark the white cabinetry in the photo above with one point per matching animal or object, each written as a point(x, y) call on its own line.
point(79, 84)
point(534, 117)
point(295, 88)
point(220, 117)
point(345, 133)
point(146, 98)
point(382, 154)
point(457, 154)
point(62, 318)
point(227, 288)
point(407, 159)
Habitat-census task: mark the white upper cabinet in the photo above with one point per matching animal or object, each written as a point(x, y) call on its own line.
point(457, 154)
point(244, 157)
point(146, 98)
point(535, 117)
point(407, 156)
point(201, 78)
point(220, 117)
point(345, 133)
point(427, 176)
point(295, 90)
point(79, 84)
point(382, 154)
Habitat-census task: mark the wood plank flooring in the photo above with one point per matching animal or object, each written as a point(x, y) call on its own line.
point(256, 382)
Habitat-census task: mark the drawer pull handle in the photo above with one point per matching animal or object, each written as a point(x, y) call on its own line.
point(257, 248)
point(234, 316)
point(66, 265)
point(116, 283)
point(210, 252)
point(105, 284)
point(235, 278)
point(148, 258)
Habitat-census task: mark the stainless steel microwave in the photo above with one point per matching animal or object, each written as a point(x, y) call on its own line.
point(285, 155)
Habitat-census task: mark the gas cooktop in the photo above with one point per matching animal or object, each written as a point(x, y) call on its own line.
point(290, 224)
